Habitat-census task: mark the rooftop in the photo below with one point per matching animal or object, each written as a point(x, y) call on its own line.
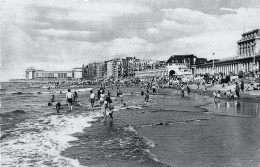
point(248, 32)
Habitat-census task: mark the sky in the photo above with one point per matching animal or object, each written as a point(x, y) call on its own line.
point(63, 34)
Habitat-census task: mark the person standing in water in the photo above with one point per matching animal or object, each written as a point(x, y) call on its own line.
point(69, 97)
point(142, 91)
point(110, 107)
point(188, 90)
point(118, 92)
point(121, 97)
point(58, 106)
point(102, 98)
point(242, 86)
point(104, 109)
point(146, 95)
point(154, 88)
point(237, 89)
point(107, 108)
point(182, 91)
point(92, 98)
point(75, 96)
point(218, 96)
point(99, 93)
point(108, 93)
point(52, 99)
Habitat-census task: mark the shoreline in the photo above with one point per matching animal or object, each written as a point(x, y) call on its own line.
point(246, 96)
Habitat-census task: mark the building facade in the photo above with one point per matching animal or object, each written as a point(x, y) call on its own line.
point(151, 73)
point(77, 73)
point(100, 70)
point(110, 69)
point(89, 71)
point(247, 59)
point(248, 46)
point(48, 75)
point(183, 64)
point(114, 69)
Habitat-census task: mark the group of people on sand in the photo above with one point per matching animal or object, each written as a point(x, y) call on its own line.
point(229, 94)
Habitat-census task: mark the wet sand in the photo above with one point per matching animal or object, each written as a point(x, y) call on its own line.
point(195, 131)
point(246, 96)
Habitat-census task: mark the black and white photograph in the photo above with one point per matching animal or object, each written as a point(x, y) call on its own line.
point(130, 83)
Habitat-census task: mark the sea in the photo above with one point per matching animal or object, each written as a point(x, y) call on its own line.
point(168, 130)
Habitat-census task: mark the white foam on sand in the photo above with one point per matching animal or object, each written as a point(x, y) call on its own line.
point(83, 90)
point(39, 142)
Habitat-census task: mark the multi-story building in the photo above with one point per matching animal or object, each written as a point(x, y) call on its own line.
point(249, 44)
point(246, 61)
point(140, 65)
point(150, 64)
point(110, 69)
point(90, 71)
point(129, 67)
point(100, 70)
point(114, 69)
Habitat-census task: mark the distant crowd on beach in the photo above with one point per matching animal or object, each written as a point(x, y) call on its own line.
point(102, 98)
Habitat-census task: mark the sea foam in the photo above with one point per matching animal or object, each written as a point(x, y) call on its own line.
point(39, 142)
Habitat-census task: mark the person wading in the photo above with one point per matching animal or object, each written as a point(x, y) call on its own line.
point(92, 99)
point(237, 90)
point(69, 97)
point(182, 91)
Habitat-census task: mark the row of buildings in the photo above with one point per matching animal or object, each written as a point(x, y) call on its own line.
point(119, 68)
point(247, 60)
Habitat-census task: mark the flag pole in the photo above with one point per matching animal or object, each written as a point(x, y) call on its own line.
point(213, 65)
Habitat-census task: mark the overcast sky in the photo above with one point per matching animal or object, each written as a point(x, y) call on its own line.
point(62, 34)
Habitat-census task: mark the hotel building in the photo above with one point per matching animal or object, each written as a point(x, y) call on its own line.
point(247, 59)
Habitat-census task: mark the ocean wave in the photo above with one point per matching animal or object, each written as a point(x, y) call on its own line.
point(142, 146)
point(16, 93)
point(130, 128)
point(7, 114)
point(133, 107)
point(149, 143)
point(19, 93)
point(167, 123)
point(38, 142)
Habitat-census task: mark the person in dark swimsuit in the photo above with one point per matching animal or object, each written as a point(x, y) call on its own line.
point(58, 105)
